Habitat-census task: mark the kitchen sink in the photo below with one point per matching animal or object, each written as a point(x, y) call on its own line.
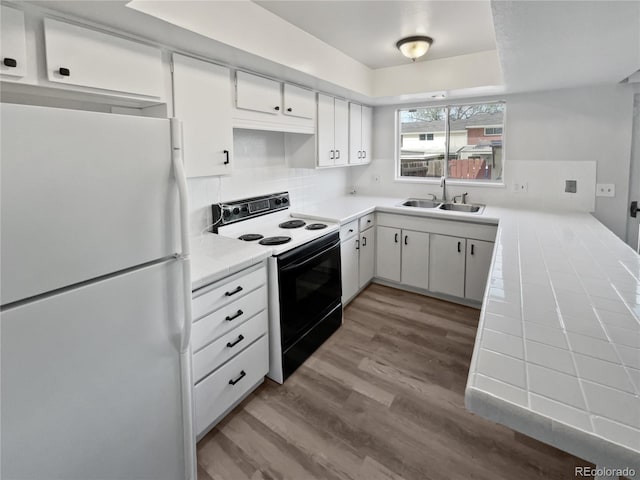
point(420, 203)
point(462, 207)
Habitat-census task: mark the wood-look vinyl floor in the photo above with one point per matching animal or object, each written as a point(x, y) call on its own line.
point(382, 399)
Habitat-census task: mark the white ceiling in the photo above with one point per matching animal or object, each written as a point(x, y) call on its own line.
point(368, 30)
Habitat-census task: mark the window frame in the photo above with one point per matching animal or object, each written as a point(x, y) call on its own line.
point(484, 133)
point(450, 181)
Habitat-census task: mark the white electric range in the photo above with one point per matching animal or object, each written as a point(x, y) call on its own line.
point(305, 286)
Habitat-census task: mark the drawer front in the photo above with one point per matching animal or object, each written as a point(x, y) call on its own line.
point(215, 394)
point(208, 299)
point(215, 354)
point(367, 221)
point(348, 230)
point(227, 318)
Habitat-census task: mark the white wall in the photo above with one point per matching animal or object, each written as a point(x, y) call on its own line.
point(260, 168)
point(586, 124)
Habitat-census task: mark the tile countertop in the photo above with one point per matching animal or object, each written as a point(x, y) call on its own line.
point(557, 352)
point(214, 257)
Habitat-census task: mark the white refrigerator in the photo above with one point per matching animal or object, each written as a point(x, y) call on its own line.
point(95, 298)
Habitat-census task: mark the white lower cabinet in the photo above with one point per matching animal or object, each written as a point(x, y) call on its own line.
point(388, 256)
point(478, 263)
point(358, 255)
point(415, 259)
point(440, 256)
point(367, 256)
point(447, 269)
point(349, 253)
point(229, 342)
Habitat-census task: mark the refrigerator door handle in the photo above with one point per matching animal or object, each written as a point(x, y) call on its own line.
point(181, 180)
point(185, 331)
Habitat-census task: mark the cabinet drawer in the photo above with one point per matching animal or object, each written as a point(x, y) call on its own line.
point(208, 299)
point(229, 345)
point(257, 93)
point(227, 318)
point(367, 221)
point(97, 60)
point(216, 393)
point(348, 230)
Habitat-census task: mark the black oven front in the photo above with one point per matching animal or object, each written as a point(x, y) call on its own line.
point(310, 289)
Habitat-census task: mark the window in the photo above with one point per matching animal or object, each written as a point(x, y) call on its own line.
point(465, 142)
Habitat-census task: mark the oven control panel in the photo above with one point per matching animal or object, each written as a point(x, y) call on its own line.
point(229, 212)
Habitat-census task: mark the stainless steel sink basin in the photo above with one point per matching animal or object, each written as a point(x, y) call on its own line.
point(462, 207)
point(420, 203)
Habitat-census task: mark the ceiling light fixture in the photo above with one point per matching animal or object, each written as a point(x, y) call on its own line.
point(414, 47)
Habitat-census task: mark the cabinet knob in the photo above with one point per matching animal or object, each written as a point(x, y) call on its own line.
point(65, 72)
point(10, 62)
point(276, 109)
point(289, 109)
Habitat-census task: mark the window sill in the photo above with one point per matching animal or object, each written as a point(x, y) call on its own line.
point(463, 183)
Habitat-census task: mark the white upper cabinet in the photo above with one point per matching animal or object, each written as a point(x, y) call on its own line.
point(84, 57)
point(257, 93)
point(367, 127)
point(299, 102)
point(13, 45)
point(202, 93)
point(360, 120)
point(333, 128)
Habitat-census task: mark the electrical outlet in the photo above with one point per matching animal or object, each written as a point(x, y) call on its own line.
point(520, 187)
point(605, 190)
point(376, 179)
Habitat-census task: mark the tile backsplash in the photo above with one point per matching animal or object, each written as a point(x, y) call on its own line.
point(260, 168)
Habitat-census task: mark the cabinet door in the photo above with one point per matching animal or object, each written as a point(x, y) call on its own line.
point(201, 93)
point(341, 125)
point(258, 93)
point(326, 151)
point(349, 260)
point(478, 262)
point(13, 45)
point(388, 255)
point(367, 126)
point(299, 102)
point(367, 256)
point(446, 266)
point(415, 259)
point(97, 60)
point(355, 133)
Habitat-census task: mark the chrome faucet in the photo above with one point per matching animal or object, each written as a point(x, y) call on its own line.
point(433, 196)
point(443, 184)
point(463, 197)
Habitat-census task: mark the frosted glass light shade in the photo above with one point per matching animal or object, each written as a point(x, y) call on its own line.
point(414, 47)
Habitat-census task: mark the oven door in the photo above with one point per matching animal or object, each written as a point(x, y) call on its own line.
point(309, 285)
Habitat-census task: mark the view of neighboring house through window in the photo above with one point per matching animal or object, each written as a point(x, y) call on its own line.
point(469, 137)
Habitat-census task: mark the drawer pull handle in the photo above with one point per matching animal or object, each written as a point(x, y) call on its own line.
point(364, 241)
point(472, 249)
point(233, 317)
point(369, 221)
point(289, 109)
point(351, 230)
point(406, 239)
point(65, 72)
point(233, 344)
point(396, 238)
point(459, 247)
point(233, 292)
point(357, 244)
point(226, 157)
point(10, 62)
point(240, 377)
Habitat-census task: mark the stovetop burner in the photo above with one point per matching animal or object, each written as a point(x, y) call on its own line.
point(251, 237)
point(316, 226)
point(274, 240)
point(292, 224)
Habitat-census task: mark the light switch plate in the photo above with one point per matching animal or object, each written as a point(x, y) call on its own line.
point(605, 190)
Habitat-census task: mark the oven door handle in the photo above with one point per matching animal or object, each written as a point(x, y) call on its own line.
point(296, 265)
